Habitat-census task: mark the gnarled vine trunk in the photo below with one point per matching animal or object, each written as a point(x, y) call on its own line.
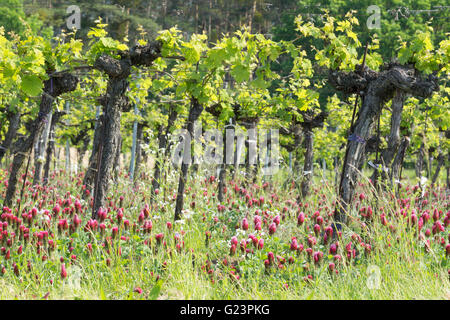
point(393, 142)
point(441, 160)
point(163, 145)
point(194, 113)
point(251, 156)
point(53, 87)
point(227, 152)
point(50, 146)
point(310, 121)
point(116, 165)
point(298, 136)
point(308, 164)
point(115, 100)
point(375, 88)
point(420, 160)
point(14, 124)
point(89, 176)
point(448, 171)
point(398, 160)
point(39, 153)
point(137, 163)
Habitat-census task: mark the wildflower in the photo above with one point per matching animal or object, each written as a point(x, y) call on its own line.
point(119, 215)
point(63, 271)
point(447, 221)
point(56, 209)
point(438, 227)
point(77, 205)
point(348, 247)
point(141, 217)
point(76, 221)
point(420, 223)
point(243, 245)
point(447, 249)
point(277, 220)
point(159, 237)
point(436, 215)
point(261, 200)
point(260, 243)
point(62, 225)
point(317, 256)
point(272, 228)
point(245, 224)
point(300, 218)
point(146, 210)
point(281, 260)
point(312, 241)
point(294, 244)
point(254, 239)
point(325, 239)
point(414, 219)
point(101, 214)
point(316, 229)
point(369, 212)
point(319, 220)
point(148, 225)
point(383, 219)
point(329, 231)
point(331, 266)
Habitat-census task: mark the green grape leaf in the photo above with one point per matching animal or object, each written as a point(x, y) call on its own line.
point(240, 73)
point(31, 85)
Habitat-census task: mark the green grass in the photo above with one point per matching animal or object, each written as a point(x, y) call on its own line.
point(407, 271)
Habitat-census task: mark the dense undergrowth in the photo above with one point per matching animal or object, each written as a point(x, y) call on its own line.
point(260, 244)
